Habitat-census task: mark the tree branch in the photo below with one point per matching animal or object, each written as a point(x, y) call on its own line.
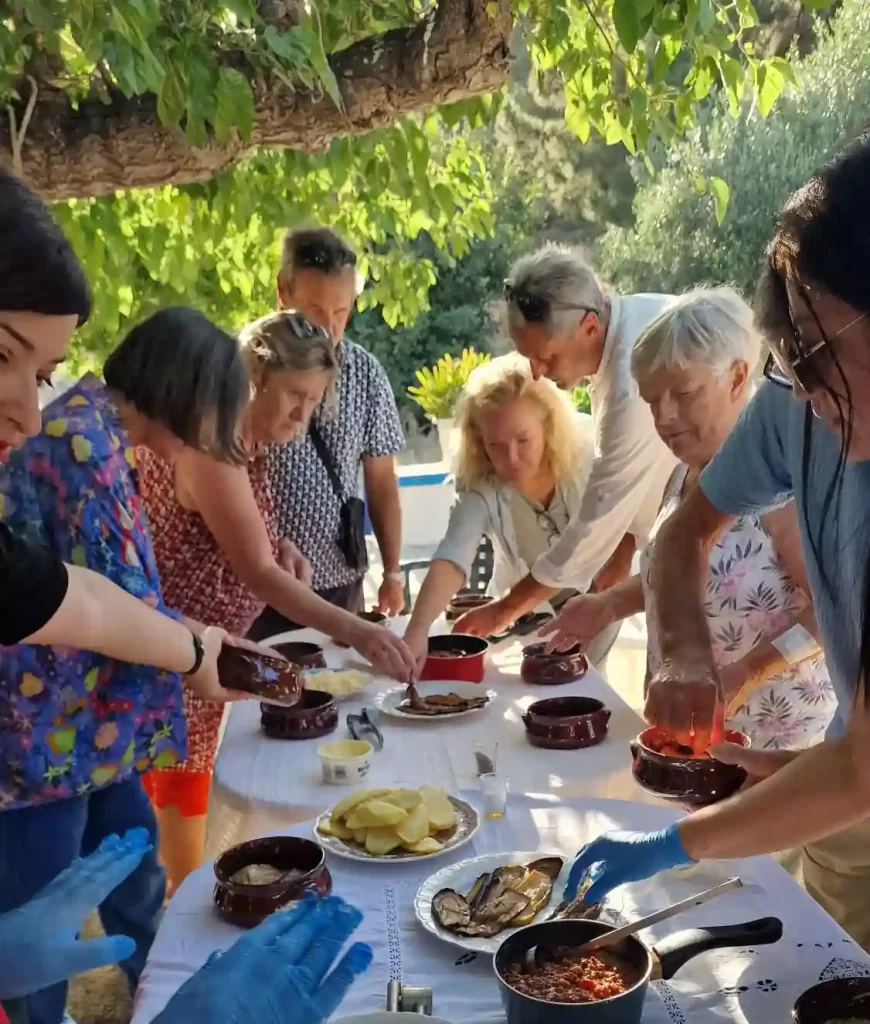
point(100, 147)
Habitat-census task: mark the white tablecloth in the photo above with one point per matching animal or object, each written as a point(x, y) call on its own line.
point(263, 786)
point(747, 986)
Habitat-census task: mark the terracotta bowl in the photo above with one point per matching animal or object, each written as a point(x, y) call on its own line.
point(248, 905)
point(378, 618)
point(838, 999)
point(463, 603)
point(457, 657)
point(314, 716)
point(271, 678)
point(566, 723)
point(542, 669)
point(695, 781)
point(304, 655)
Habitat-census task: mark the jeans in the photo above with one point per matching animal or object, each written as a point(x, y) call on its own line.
point(37, 843)
point(271, 623)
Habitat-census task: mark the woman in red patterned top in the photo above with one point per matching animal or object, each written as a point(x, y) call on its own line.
point(220, 561)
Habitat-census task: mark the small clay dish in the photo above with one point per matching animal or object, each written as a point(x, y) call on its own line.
point(376, 618)
point(249, 905)
point(456, 657)
point(690, 780)
point(566, 723)
point(463, 603)
point(838, 999)
point(556, 669)
point(304, 655)
point(273, 679)
point(314, 716)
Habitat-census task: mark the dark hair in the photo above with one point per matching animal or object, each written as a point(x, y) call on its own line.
point(823, 236)
point(320, 249)
point(180, 370)
point(39, 272)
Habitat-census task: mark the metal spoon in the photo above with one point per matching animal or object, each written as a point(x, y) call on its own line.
point(532, 959)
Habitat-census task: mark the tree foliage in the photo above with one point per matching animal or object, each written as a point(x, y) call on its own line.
point(676, 241)
point(336, 110)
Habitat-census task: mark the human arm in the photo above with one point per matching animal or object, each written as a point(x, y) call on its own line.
point(223, 496)
point(293, 561)
point(385, 512)
point(584, 617)
point(443, 579)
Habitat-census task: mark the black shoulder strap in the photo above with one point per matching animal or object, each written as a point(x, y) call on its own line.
point(325, 457)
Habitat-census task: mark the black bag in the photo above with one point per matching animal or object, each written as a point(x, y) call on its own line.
point(352, 520)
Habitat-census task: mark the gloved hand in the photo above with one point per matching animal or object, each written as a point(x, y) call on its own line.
point(277, 973)
point(618, 857)
point(39, 943)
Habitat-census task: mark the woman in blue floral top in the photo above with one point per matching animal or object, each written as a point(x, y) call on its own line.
point(78, 729)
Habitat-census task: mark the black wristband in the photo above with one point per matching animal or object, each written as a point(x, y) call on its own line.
point(199, 654)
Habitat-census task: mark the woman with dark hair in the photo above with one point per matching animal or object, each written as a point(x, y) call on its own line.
point(216, 547)
point(78, 729)
point(43, 298)
point(805, 435)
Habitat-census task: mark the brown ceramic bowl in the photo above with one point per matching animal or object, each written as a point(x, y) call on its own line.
point(304, 655)
point(695, 781)
point(258, 674)
point(838, 999)
point(463, 603)
point(456, 657)
point(566, 723)
point(248, 905)
point(377, 618)
point(542, 669)
point(314, 716)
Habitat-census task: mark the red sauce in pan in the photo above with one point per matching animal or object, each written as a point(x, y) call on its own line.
point(571, 979)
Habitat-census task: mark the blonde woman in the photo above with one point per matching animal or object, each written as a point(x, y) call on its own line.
point(521, 468)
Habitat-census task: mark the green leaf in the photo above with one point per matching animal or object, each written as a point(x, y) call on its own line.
point(171, 100)
point(720, 192)
point(234, 105)
point(244, 10)
point(626, 21)
point(770, 83)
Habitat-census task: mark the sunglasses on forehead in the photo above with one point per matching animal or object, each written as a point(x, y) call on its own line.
point(304, 329)
point(316, 256)
point(536, 309)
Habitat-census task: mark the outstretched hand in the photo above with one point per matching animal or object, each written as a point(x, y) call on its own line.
point(39, 943)
point(279, 973)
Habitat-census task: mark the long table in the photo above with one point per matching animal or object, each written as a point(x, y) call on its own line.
point(262, 786)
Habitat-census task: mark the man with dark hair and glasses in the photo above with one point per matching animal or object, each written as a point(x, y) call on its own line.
point(805, 436)
point(314, 479)
point(560, 318)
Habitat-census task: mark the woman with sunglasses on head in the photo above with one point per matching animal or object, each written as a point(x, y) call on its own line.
point(215, 542)
point(695, 366)
point(571, 330)
point(43, 298)
point(522, 464)
point(805, 435)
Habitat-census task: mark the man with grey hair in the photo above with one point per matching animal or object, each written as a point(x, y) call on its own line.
point(560, 318)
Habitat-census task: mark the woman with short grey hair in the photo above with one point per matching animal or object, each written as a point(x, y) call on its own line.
point(695, 366)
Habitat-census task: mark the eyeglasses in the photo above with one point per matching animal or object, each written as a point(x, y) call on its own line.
point(807, 366)
point(548, 526)
point(536, 308)
point(303, 328)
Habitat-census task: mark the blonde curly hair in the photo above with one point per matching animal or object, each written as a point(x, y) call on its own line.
point(497, 384)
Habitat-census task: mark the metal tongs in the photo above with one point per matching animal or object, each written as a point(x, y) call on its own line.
point(364, 726)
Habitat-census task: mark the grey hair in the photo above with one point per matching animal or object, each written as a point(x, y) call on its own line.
point(560, 277)
point(287, 341)
point(712, 326)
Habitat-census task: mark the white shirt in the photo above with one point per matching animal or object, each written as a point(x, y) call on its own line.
point(632, 465)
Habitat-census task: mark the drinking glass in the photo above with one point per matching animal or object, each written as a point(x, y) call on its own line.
point(494, 789)
point(485, 758)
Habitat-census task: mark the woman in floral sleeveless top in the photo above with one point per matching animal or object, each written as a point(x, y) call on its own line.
point(693, 365)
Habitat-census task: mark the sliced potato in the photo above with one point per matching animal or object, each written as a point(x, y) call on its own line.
point(381, 841)
point(425, 845)
point(325, 827)
point(342, 809)
point(442, 816)
point(407, 799)
point(416, 826)
point(375, 814)
point(359, 836)
point(342, 831)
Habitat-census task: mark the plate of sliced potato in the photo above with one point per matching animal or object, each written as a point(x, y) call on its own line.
point(390, 825)
point(340, 684)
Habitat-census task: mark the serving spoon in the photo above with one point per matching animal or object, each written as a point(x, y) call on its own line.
point(535, 957)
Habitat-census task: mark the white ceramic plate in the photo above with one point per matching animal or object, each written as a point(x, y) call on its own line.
point(388, 701)
point(467, 823)
point(461, 878)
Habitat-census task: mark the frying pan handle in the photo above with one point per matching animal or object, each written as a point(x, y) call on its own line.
point(677, 950)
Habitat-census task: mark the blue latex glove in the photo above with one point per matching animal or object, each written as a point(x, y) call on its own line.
point(277, 973)
point(618, 857)
point(39, 943)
